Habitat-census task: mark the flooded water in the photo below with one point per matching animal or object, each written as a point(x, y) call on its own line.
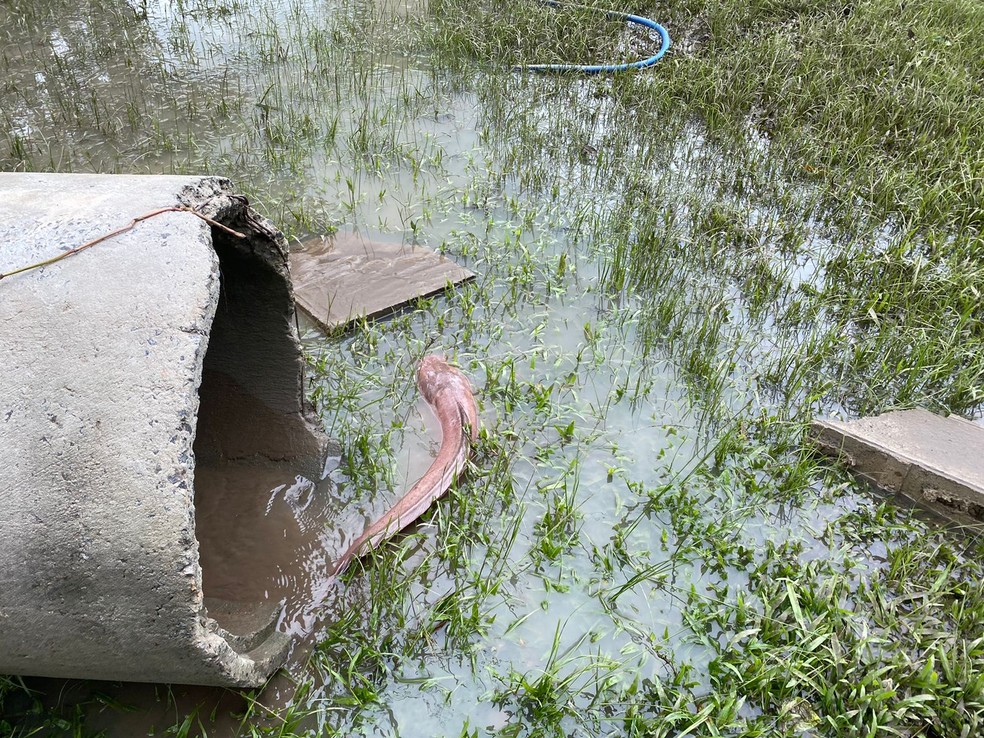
point(637, 467)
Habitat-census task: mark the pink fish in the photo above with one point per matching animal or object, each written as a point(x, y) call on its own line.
point(449, 393)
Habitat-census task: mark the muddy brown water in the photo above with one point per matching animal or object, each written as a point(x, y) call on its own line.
point(263, 537)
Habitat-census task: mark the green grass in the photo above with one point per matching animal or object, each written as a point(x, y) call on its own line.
point(866, 121)
point(678, 269)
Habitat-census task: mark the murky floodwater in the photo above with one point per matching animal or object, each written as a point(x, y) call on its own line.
point(606, 501)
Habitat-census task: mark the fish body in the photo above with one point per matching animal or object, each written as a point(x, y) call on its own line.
point(449, 394)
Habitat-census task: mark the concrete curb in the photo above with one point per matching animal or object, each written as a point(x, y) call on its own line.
point(934, 461)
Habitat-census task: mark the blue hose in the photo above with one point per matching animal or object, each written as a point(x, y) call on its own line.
point(602, 68)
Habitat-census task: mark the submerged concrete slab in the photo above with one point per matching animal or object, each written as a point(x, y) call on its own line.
point(122, 367)
point(344, 277)
point(930, 459)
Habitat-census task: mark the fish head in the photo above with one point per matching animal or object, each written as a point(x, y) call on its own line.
point(436, 377)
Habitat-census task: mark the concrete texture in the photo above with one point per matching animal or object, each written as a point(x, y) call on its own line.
point(104, 356)
point(343, 277)
point(935, 461)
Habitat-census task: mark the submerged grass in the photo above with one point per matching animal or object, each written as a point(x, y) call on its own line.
point(677, 270)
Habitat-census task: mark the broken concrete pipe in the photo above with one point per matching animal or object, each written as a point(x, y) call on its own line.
point(124, 366)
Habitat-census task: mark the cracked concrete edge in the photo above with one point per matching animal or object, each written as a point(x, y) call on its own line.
point(248, 658)
point(266, 249)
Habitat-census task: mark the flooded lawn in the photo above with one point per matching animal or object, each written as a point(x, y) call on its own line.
point(671, 284)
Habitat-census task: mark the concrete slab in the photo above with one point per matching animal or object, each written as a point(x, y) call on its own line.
point(123, 366)
point(935, 461)
point(344, 277)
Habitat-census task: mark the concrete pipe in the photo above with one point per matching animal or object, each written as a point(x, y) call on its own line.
point(124, 366)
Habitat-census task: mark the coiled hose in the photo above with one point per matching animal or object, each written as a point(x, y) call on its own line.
point(603, 68)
